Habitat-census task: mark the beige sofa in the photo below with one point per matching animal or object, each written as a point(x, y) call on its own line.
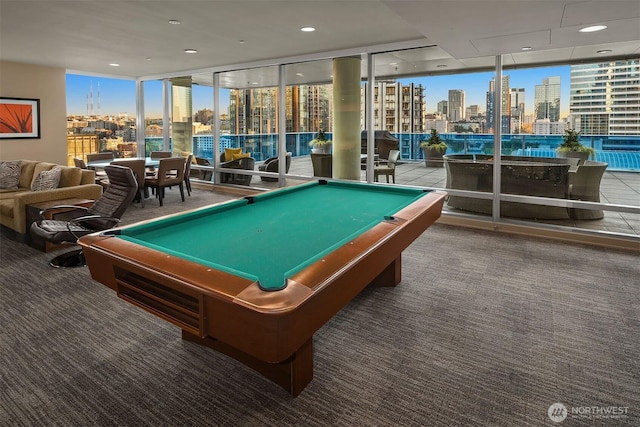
point(74, 183)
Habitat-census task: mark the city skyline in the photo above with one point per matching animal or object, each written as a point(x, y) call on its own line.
point(117, 96)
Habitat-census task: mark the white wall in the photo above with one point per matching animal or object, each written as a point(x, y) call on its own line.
point(47, 84)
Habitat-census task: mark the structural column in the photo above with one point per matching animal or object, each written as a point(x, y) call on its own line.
point(346, 118)
point(181, 120)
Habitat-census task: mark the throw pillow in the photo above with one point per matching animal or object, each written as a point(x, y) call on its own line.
point(10, 174)
point(240, 156)
point(47, 180)
point(230, 152)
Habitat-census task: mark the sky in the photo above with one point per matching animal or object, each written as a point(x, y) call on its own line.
point(119, 96)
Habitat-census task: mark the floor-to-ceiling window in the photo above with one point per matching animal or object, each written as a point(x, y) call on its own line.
point(414, 94)
point(100, 116)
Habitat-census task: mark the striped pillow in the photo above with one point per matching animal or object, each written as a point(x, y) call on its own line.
point(10, 174)
point(47, 180)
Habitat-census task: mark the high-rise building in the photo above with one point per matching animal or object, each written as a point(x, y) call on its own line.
point(547, 99)
point(397, 107)
point(253, 110)
point(473, 111)
point(456, 106)
point(517, 102)
point(605, 98)
point(314, 108)
point(443, 107)
point(517, 108)
point(307, 109)
point(505, 100)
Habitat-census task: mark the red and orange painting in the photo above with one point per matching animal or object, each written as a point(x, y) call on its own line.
point(19, 118)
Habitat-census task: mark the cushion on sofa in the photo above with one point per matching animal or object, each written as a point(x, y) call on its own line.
point(47, 180)
point(10, 174)
point(70, 177)
point(39, 167)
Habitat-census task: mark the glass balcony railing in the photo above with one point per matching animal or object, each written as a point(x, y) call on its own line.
point(621, 153)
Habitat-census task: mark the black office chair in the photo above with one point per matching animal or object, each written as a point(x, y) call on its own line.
point(105, 213)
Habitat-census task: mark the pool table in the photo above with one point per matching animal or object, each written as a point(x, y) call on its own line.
point(256, 277)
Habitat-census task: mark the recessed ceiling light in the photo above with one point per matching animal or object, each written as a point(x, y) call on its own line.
point(393, 63)
point(307, 29)
point(604, 51)
point(299, 74)
point(148, 58)
point(527, 48)
point(241, 41)
point(174, 22)
point(441, 66)
point(190, 51)
point(114, 64)
point(592, 28)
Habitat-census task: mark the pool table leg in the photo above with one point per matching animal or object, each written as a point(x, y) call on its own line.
point(390, 276)
point(292, 374)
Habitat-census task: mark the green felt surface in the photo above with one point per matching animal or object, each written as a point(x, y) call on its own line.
point(277, 235)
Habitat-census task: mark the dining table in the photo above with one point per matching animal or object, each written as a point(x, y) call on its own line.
point(100, 164)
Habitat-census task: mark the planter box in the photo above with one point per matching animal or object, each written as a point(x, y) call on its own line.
point(433, 157)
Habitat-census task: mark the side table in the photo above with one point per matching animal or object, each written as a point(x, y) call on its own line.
point(33, 215)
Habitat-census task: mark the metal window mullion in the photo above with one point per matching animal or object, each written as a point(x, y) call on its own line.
point(282, 126)
point(140, 128)
point(369, 112)
point(166, 116)
point(497, 137)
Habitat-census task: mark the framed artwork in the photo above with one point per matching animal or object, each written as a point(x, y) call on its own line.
point(19, 118)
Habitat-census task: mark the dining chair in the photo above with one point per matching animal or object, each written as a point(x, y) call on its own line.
point(170, 172)
point(94, 157)
point(79, 163)
point(160, 154)
point(388, 169)
point(100, 175)
point(155, 155)
point(138, 168)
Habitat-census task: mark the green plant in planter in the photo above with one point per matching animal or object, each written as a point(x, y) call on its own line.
point(320, 141)
point(571, 143)
point(434, 143)
point(433, 148)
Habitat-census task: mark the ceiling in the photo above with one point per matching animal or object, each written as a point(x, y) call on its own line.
point(85, 36)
